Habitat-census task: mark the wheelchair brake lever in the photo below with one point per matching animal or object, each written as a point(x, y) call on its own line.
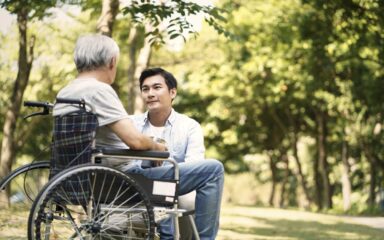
point(44, 112)
point(33, 114)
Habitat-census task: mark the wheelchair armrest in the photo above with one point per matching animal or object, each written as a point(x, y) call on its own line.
point(133, 153)
point(139, 154)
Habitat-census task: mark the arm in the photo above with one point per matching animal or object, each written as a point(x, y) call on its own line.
point(127, 132)
point(110, 112)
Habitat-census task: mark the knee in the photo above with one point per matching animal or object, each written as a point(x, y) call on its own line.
point(215, 166)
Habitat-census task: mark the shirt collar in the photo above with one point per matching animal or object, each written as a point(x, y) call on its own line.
point(171, 119)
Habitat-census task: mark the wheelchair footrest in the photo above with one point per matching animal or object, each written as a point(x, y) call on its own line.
point(163, 213)
point(187, 213)
point(171, 211)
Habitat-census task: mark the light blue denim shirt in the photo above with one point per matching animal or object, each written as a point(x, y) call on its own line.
point(184, 136)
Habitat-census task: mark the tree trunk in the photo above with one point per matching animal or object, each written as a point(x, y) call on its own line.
point(322, 158)
point(294, 140)
point(372, 185)
point(302, 178)
point(345, 181)
point(12, 113)
point(285, 180)
point(142, 63)
point(318, 184)
point(132, 83)
point(139, 62)
point(109, 10)
point(105, 24)
point(273, 168)
point(373, 174)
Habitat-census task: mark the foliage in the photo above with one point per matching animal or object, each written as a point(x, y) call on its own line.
point(53, 68)
point(291, 62)
point(172, 16)
point(35, 9)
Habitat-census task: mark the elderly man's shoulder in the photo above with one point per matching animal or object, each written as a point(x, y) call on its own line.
point(137, 117)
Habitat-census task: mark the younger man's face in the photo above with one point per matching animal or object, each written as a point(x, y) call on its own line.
point(156, 94)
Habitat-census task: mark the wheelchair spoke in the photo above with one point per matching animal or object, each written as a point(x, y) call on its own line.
point(102, 188)
point(72, 221)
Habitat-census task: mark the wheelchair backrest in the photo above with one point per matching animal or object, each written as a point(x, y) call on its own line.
point(72, 144)
point(73, 139)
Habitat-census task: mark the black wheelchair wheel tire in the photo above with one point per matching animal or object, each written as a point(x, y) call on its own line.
point(92, 201)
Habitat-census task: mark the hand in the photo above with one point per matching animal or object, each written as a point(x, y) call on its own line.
point(157, 163)
point(160, 147)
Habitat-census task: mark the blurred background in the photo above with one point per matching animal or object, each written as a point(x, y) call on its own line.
point(289, 93)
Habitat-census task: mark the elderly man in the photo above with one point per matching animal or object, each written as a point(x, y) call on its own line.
point(96, 58)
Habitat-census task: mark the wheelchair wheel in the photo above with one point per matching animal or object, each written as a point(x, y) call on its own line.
point(91, 202)
point(17, 192)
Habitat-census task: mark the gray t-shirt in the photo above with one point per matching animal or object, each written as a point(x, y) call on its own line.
point(102, 100)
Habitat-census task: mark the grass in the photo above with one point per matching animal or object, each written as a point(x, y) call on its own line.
point(277, 224)
point(239, 222)
point(13, 223)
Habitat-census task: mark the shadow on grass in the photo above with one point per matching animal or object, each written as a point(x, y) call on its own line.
point(298, 229)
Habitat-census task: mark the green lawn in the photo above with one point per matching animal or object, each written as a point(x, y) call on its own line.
point(256, 223)
point(268, 223)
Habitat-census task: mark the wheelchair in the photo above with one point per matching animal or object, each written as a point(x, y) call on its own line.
point(87, 199)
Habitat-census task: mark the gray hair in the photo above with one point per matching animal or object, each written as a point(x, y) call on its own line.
point(94, 51)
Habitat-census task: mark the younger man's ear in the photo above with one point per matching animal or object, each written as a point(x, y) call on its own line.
point(173, 93)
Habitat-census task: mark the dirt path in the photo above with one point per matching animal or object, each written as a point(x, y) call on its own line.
point(374, 222)
point(257, 223)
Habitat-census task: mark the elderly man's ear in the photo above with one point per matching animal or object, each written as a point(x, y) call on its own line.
point(112, 63)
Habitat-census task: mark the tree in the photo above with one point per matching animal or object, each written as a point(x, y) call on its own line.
point(25, 10)
point(153, 23)
point(295, 70)
point(107, 18)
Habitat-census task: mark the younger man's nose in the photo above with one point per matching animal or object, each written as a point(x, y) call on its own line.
point(150, 93)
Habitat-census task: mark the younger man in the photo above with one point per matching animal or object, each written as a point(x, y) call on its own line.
point(183, 135)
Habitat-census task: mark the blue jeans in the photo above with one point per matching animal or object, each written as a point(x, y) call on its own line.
point(207, 178)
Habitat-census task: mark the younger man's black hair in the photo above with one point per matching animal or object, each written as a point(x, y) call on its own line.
point(170, 80)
